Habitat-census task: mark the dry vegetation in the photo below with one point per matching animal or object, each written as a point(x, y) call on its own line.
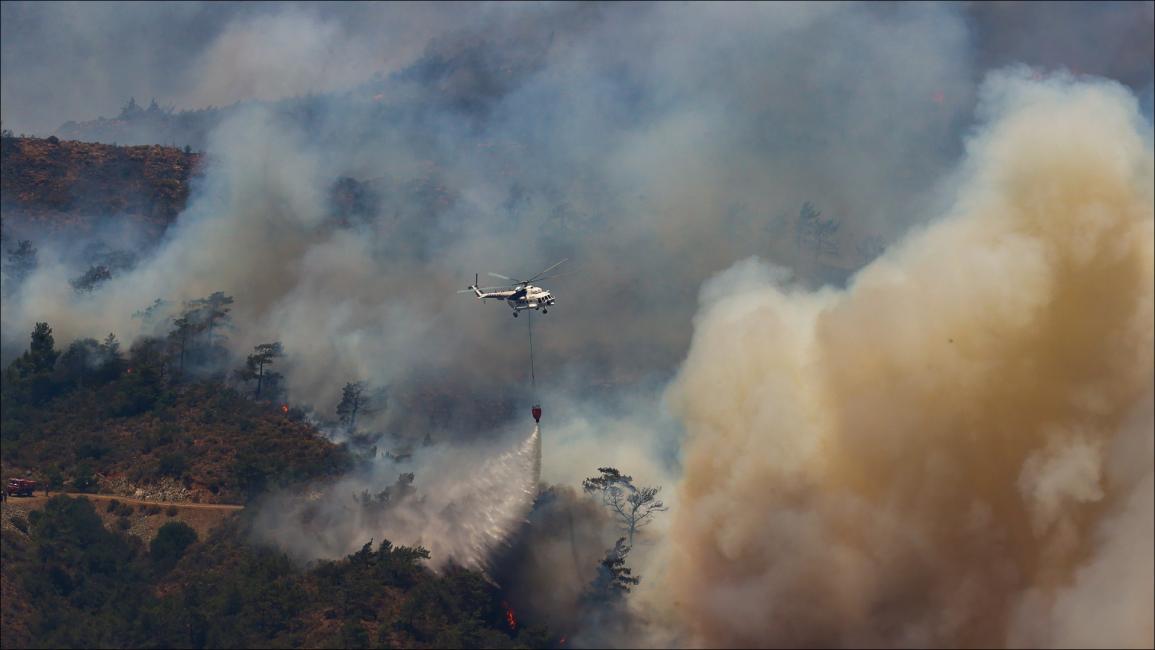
point(61, 183)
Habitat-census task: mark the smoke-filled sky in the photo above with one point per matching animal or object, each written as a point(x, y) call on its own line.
point(952, 447)
point(81, 60)
point(957, 449)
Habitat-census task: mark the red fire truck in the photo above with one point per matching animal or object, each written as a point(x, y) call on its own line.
point(20, 487)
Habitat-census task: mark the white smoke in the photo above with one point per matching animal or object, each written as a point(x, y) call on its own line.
point(463, 507)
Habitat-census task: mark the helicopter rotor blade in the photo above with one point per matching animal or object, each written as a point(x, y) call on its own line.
point(503, 277)
point(538, 276)
point(555, 275)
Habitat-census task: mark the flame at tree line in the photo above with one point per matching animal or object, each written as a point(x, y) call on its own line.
point(510, 618)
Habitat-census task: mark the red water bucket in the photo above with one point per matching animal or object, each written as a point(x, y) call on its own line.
point(537, 413)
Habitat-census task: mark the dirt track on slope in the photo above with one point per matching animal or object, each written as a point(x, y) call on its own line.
point(146, 519)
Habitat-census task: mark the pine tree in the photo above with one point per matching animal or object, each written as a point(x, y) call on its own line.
point(614, 578)
point(352, 401)
point(263, 356)
point(633, 507)
point(211, 311)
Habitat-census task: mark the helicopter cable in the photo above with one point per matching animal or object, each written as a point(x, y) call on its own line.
point(532, 376)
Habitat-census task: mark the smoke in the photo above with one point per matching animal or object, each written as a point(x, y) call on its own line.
point(462, 507)
point(605, 144)
point(600, 133)
point(957, 448)
point(977, 373)
point(193, 55)
point(555, 558)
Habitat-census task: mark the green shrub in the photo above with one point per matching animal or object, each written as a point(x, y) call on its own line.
point(172, 510)
point(173, 465)
point(124, 523)
point(113, 506)
point(82, 479)
point(91, 448)
point(171, 541)
point(55, 479)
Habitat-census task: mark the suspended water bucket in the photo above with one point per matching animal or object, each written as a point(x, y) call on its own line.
point(537, 412)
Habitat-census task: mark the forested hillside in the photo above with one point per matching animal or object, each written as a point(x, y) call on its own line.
point(56, 183)
point(70, 582)
point(91, 418)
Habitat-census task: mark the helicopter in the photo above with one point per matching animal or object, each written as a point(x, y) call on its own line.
point(520, 295)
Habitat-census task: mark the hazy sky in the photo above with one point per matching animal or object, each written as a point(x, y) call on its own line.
point(78, 61)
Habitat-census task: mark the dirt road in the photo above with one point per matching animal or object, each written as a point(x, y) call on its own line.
point(36, 499)
point(144, 521)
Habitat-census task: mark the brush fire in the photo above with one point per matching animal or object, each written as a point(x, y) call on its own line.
point(510, 619)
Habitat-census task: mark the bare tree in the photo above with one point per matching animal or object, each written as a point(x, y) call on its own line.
point(634, 507)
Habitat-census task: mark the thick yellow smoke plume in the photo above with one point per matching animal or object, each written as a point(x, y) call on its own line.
point(957, 449)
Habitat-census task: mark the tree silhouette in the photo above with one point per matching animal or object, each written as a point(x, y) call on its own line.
point(41, 355)
point(816, 233)
point(614, 578)
point(21, 261)
point(263, 355)
point(633, 507)
point(352, 402)
point(211, 311)
point(183, 329)
point(92, 278)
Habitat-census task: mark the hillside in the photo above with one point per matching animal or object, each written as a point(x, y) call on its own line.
point(69, 581)
point(201, 443)
point(151, 422)
point(121, 426)
point(97, 571)
point(57, 184)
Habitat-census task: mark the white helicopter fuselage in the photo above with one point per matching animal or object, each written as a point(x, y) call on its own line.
point(520, 295)
point(521, 298)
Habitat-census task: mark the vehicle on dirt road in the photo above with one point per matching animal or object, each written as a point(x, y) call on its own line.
point(20, 487)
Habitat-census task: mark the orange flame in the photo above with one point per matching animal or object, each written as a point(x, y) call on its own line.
point(284, 408)
point(509, 617)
